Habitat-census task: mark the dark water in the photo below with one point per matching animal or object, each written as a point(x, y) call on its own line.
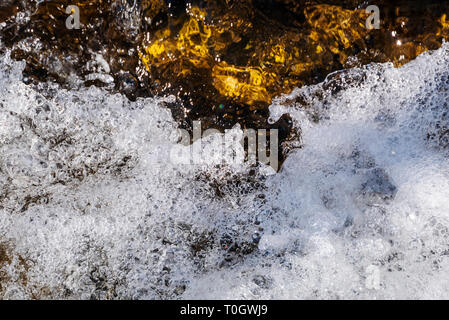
point(223, 60)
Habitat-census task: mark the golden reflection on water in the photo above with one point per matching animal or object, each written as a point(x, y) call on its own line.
point(236, 53)
point(283, 61)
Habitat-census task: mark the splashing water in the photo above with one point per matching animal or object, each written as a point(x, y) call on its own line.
point(89, 210)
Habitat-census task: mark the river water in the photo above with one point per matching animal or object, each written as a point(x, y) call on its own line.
point(91, 207)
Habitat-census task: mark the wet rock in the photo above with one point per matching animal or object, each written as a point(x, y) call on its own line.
point(378, 186)
point(127, 84)
point(239, 244)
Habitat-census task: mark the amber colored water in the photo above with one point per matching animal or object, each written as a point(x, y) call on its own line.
point(224, 60)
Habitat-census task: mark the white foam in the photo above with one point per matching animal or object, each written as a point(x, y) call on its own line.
point(360, 211)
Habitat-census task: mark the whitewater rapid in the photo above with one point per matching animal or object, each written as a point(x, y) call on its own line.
point(88, 209)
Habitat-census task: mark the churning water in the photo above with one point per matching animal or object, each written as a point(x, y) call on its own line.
point(360, 210)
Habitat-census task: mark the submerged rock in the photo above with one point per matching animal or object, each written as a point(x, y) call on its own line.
point(378, 185)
